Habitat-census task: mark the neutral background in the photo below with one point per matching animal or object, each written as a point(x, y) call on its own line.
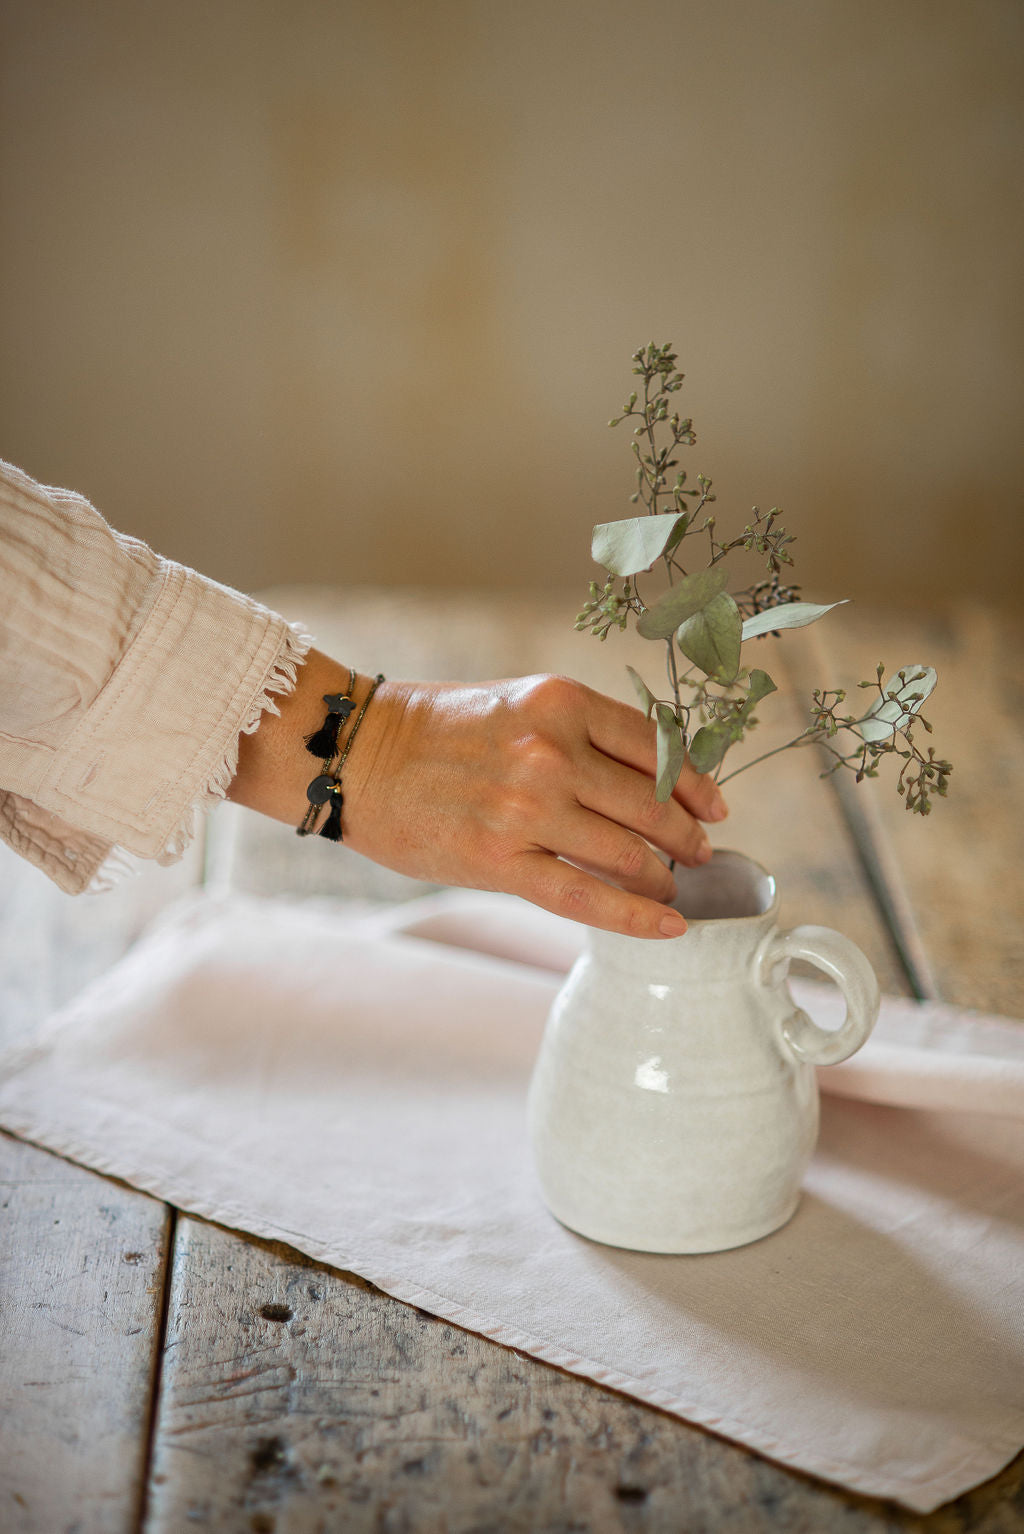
point(346, 292)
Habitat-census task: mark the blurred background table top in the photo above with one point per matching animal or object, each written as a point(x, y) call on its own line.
point(158, 1372)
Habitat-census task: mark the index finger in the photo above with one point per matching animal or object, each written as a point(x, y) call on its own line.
point(561, 887)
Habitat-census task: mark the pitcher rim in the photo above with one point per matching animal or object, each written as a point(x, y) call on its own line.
point(765, 917)
point(731, 852)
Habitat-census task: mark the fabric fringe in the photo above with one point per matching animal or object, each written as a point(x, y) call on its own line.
point(120, 864)
point(117, 866)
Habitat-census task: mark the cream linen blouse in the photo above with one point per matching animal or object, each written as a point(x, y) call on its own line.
point(125, 682)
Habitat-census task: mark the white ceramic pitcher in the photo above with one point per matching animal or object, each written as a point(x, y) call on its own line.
point(674, 1105)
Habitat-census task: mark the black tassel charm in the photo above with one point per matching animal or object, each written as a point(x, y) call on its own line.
point(331, 828)
point(323, 743)
point(327, 790)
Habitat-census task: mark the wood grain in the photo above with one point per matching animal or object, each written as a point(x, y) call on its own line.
point(83, 1259)
point(82, 1272)
point(297, 1400)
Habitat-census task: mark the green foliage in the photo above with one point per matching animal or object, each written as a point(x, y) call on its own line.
point(704, 627)
point(786, 615)
point(643, 692)
point(761, 685)
point(893, 710)
point(887, 729)
point(689, 596)
point(627, 547)
point(711, 639)
point(708, 747)
point(671, 750)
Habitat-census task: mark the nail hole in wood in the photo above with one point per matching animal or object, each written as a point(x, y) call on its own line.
point(269, 1454)
point(631, 1493)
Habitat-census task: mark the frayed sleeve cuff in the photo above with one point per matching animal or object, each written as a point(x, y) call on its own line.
point(158, 746)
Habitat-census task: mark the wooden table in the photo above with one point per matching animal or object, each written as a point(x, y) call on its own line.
point(158, 1372)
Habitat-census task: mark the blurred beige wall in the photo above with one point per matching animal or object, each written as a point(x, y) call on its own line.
point(327, 291)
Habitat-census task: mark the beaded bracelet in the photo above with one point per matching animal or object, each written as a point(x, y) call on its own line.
point(324, 741)
point(326, 786)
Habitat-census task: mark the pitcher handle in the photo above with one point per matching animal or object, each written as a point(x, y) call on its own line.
point(844, 963)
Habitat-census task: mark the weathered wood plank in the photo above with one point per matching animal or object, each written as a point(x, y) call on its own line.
point(298, 1400)
point(82, 1267)
point(83, 1258)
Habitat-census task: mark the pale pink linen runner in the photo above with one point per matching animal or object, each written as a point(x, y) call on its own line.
point(326, 1079)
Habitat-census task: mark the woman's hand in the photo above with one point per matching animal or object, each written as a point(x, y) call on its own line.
point(537, 786)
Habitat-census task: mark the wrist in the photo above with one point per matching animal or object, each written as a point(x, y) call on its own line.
point(274, 766)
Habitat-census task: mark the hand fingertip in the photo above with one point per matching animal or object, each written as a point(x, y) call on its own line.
point(672, 924)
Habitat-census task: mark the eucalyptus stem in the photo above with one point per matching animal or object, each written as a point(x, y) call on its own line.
point(673, 674)
point(804, 739)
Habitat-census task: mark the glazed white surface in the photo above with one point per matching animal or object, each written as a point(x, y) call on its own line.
point(674, 1104)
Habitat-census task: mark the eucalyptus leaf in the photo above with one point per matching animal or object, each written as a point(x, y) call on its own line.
point(761, 685)
point(671, 752)
point(626, 547)
point(678, 533)
point(887, 715)
point(708, 746)
point(788, 615)
point(711, 638)
point(643, 692)
point(680, 602)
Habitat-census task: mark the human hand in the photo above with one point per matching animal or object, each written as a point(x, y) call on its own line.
point(537, 786)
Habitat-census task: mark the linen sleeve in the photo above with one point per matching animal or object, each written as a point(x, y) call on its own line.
point(125, 682)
